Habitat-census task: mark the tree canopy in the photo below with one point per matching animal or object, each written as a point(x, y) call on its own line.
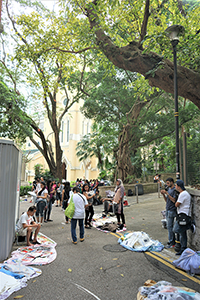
point(131, 34)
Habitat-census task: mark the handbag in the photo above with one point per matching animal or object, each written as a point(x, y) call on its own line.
point(69, 211)
point(183, 219)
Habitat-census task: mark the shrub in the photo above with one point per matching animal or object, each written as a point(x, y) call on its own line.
point(25, 189)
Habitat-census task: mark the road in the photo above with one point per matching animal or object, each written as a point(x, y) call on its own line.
point(97, 273)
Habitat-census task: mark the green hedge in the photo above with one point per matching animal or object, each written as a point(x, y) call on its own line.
point(25, 189)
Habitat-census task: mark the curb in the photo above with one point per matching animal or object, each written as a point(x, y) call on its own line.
point(163, 262)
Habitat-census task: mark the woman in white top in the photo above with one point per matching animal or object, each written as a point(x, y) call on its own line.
point(41, 201)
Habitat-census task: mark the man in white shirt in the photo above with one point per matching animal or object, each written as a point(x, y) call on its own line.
point(183, 207)
point(80, 203)
point(26, 225)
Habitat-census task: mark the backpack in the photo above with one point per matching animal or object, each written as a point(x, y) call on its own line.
point(130, 192)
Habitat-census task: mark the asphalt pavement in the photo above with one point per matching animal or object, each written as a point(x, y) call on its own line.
point(100, 270)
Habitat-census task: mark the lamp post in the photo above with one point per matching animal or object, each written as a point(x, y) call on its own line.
point(173, 32)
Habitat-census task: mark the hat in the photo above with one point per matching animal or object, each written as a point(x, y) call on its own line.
point(181, 184)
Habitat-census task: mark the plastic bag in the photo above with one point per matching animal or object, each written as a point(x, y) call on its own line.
point(69, 211)
point(188, 261)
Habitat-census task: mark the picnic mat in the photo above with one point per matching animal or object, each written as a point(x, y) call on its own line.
point(14, 272)
point(102, 223)
point(41, 254)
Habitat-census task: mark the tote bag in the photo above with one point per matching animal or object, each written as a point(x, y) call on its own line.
point(69, 211)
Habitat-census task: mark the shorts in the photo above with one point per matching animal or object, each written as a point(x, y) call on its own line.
point(23, 231)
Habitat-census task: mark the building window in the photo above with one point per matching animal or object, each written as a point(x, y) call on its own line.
point(83, 131)
point(61, 132)
point(88, 127)
point(67, 131)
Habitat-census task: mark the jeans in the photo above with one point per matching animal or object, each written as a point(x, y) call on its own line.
point(40, 208)
point(170, 215)
point(73, 229)
point(182, 230)
point(47, 212)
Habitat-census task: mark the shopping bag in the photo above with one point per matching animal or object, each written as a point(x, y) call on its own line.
point(69, 211)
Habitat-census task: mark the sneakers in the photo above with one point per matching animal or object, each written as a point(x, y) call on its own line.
point(81, 240)
point(170, 245)
point(193, 228)
point(74, 242)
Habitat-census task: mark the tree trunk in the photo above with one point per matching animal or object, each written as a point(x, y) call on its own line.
point(124, 166)
point(131, 58)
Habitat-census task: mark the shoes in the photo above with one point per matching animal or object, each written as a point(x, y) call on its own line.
point(38, 243)
point(179, 253)
point(48, 220)
point(74, 242)
point(193, 228)
point(56, 205)
point(81, 240)
point(90, 224)
point(45, 221)
point(170, 245)
point(87, 227)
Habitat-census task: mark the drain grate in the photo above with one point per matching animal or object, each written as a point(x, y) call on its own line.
point(114, 248)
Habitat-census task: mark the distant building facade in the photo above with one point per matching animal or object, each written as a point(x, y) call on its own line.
point(73, 127)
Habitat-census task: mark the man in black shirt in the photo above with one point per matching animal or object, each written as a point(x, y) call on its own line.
point(169, 195)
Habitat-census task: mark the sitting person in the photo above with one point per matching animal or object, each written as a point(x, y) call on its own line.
point(97, 198)
point(26, 225)
point(117, 201)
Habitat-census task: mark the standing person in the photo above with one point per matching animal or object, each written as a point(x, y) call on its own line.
point(183, 209)
point(170, 198)
point(34, 185)
point(65, 197)
point(41, 202)
point(48, 208)
point(89, 210)
point(118, 198)
point(52, 198)
point(156, 178)
point(26, 225)
point(59, 190)
point(80, 203)
point(96, 184)
point(38, 185)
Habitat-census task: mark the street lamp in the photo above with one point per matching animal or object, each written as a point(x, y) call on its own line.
point(173, 32)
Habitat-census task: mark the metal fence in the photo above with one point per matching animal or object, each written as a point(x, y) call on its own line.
point(10, 173)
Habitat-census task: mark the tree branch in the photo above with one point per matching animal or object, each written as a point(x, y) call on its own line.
point(144, 23)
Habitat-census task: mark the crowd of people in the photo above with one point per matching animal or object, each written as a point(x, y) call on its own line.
point(86, 195)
